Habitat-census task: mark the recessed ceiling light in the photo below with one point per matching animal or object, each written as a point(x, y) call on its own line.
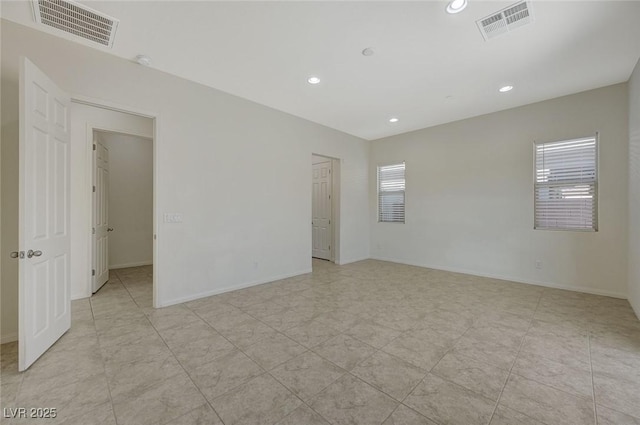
point(313, 80)
point(505, 89)
point(393, 120)
point(456, 6)
point(143, 60)
point(368, 52)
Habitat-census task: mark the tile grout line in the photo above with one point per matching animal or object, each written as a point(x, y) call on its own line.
point(562, 390)
point(307, 350)
point(310, 350)
point(390, 396)
point(194, 384)
point(495, 408)
point(187, 372)
point(172, 354)
point(129, 292)
point(131, 295)
point(576, 395)
point(436, 364)
point(429, 372)
point(300, 398)
point(444, 379)
point(347, 372)
point(377, 350)
point(392, 412)
point(511, 372)
point(257, 342)
point(104, 366)
point(400, 402)
point(449, 350)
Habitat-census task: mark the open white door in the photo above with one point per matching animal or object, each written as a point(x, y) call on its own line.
point(321, 209)
point(44, 278)
point(100, 215)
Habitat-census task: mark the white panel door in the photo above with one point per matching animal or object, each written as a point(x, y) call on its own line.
point(100, 215)
point(321, 208)
point(44, 279)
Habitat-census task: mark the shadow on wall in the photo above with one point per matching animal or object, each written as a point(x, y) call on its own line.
point(9, 233)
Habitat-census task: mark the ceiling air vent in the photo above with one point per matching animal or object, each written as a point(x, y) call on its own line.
point(505, 20)
point(76, 19)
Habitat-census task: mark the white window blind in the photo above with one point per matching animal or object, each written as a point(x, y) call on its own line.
point(391, 186)
point(566, 185)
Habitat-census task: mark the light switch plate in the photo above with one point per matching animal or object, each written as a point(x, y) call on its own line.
point(173, 218)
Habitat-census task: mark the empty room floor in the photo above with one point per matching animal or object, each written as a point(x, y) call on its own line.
point(367, 343)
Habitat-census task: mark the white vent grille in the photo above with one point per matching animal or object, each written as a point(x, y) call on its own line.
point(77, 19)
point(505, 20)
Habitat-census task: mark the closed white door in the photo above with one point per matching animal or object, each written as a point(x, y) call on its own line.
point(44, 279)
point(321, 209)
point(100, 215)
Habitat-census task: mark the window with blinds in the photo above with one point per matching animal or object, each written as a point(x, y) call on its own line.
point(566, 185)
point(391, 185)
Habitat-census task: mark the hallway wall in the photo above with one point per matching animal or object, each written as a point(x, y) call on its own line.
point(130, 199)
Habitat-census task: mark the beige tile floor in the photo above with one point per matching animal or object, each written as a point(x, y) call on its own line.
point(366, 343)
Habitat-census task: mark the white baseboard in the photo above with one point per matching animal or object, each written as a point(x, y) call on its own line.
point(134, 264)
point(80, 296)
point(352, 260)
point(636, 308)
point(509, 278)
point(9, 338)
point(230, 288)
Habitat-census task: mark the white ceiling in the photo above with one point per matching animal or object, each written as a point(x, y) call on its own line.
point(429, 67)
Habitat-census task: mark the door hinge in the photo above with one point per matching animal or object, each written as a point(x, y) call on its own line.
point(93, 230)
point(93, 272)
point(94, 189)
point(94, 146)
point(329, 221)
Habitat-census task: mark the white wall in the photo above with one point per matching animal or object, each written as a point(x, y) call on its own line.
point(634, 190)
point(236, 170)
point(83, 119)
point(130, 199)
point(469, 196)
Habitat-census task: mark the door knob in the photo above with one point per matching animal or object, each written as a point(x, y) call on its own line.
point(110, 229)
point(32, 253)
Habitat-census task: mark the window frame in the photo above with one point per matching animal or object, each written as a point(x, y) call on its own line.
point(404, 192)
point(596, 197)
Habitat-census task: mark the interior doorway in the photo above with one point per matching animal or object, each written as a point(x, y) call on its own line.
point(54, 223)
point(324, 207)
point(122, 228)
